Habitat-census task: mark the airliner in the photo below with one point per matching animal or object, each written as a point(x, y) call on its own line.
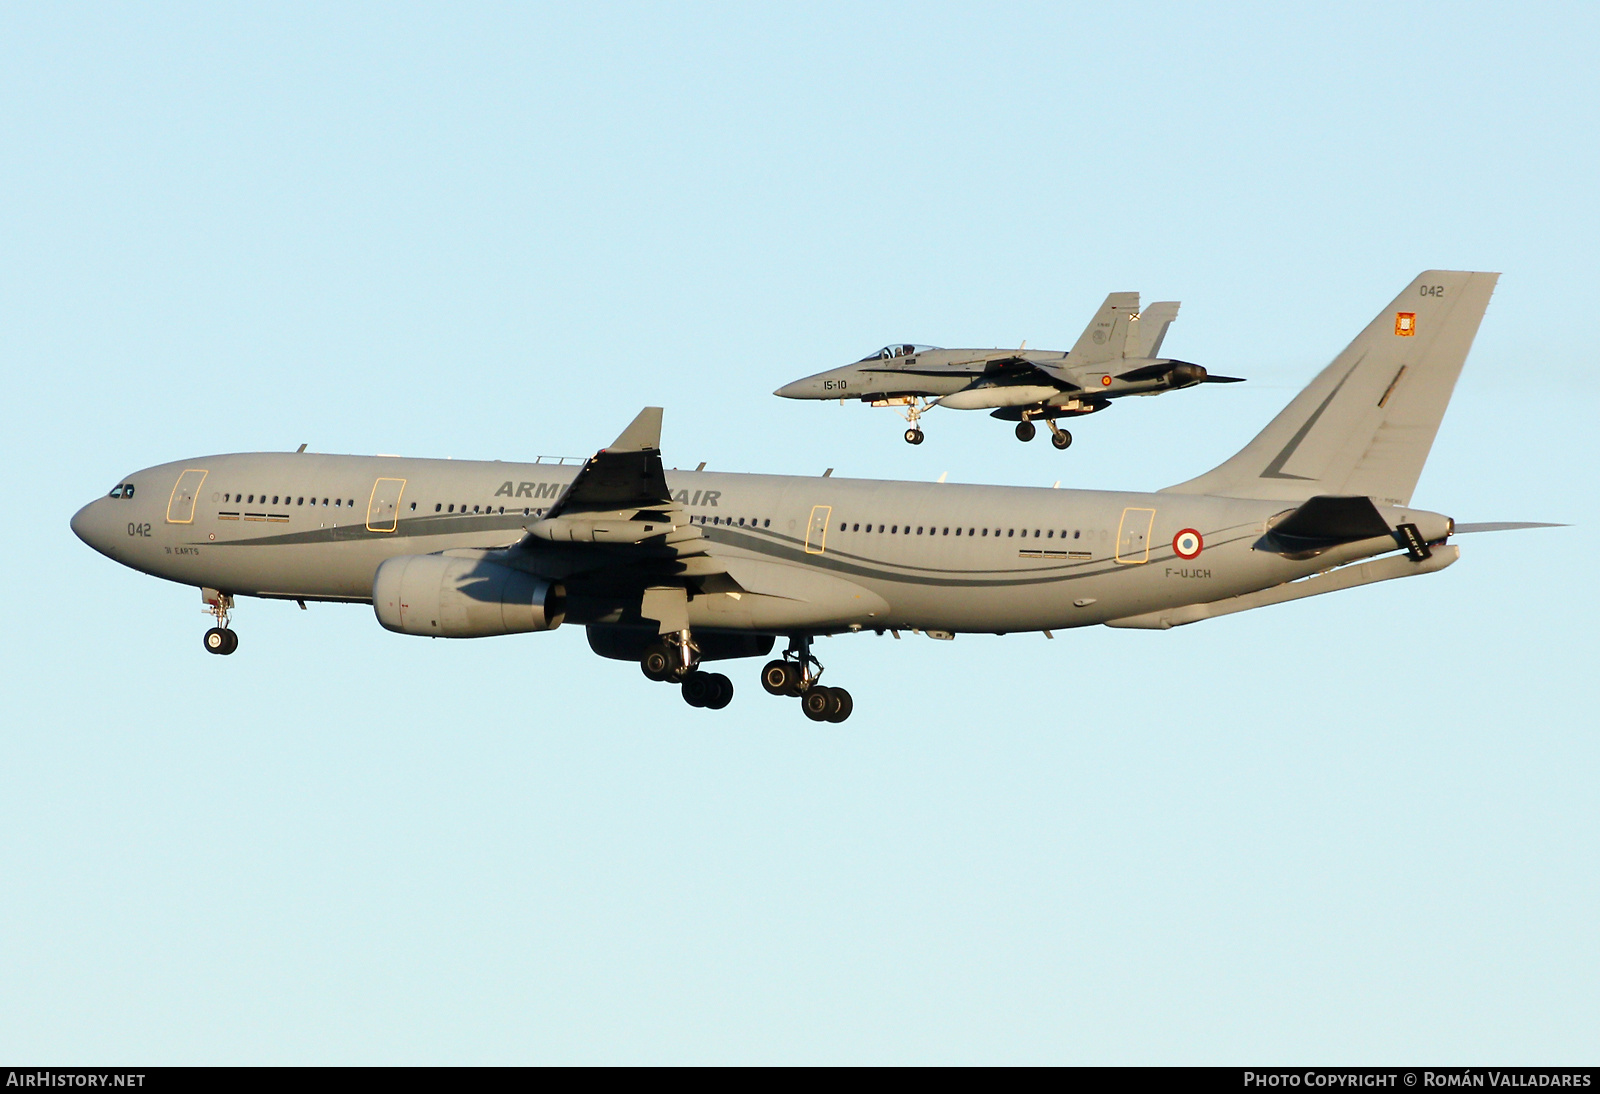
point(676, 569)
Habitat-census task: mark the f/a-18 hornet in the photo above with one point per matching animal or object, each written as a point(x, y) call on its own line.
point(675, 569)
point(1118, 354)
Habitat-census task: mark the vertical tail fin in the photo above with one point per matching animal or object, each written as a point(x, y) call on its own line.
point(1366, 423)
point(1152, 328)
point(1106, 336)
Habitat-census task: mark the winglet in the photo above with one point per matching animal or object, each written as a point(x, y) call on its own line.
point(642, 435)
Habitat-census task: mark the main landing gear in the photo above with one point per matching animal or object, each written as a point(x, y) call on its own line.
point(675, 660)
point(219, 639)
point(796, 676)
point(1058, 436)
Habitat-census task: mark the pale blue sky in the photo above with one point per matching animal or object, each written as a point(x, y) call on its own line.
point(1355, 828)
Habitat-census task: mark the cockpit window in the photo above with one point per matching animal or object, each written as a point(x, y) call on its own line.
point(904, 349)
point(127, 490)
point(122, 490)
point(116, 491)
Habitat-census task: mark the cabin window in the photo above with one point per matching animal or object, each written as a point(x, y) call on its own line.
point(438, 507)
point(986, 531)
point(958, 531)
point(1076, 534)
point(946, 532)
point(302, 501)
point(1010, 532)
point(741, 522)
point(413, 507)
point(338, 501)
point(767, 523)
point(524, 512)
point(452, 507)
point(919, 529)
point(894, 529)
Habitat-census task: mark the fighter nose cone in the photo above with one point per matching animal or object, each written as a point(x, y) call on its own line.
point(796, 390)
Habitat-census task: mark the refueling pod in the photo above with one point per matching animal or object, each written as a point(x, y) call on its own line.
point(445, 596)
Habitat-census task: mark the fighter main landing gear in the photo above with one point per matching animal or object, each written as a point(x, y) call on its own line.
point(1026, 431)
point(219, 639)
point(796, 675)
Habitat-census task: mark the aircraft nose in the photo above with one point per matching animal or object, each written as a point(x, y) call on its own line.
point(89, 524)
point(790, 391)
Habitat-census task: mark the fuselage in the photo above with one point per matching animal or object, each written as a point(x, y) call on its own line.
point(943, 557)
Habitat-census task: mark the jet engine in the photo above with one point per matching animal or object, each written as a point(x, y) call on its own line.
point(443, 596)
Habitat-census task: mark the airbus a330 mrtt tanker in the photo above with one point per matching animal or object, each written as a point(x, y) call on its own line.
point(675, 569)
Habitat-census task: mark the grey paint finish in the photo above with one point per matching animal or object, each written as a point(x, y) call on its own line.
point(786, 554)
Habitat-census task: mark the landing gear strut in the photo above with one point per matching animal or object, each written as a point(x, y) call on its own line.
point(219, 639)
point(913, 413)
point(796, 675)
point(675, 659)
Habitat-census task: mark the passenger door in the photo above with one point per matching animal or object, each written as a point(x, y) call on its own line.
point(1133, 535)
point(817, 530)
point(180, 507)
point(383, 509)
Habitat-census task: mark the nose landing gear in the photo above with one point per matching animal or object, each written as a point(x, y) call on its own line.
point(219, 639)
point(796, 676)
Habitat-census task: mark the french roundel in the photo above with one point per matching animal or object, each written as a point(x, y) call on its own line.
point(1188, 543)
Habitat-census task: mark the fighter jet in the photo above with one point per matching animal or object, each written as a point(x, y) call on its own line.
point(1118, 354)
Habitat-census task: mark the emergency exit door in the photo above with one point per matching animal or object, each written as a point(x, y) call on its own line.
point(383, 509)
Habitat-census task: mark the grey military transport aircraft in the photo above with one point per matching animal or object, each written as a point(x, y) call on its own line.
point(1118, 354)
point(677, 569)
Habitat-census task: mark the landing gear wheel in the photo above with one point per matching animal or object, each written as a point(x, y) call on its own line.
point(233, 640)
point(216, 641)
point(913, 436)
point(1025, 431)
point(816, 703)
point(699, 689)
point(722, 693)
point(1061, 439)
point(780, 678)
point(657, 662)
point(841, 706)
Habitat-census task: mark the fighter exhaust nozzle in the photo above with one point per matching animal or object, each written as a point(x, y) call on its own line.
point(1184, 374)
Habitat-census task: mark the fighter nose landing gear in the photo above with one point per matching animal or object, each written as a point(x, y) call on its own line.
point(219, 639)
point(796, 676)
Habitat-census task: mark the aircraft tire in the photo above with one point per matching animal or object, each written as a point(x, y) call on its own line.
point(776, 677)
point(698, 689)
point(723, 695)
point(1026, 431)
point(1062, 440)
point(816, 703)
point(842, 705)
point(914, 436)
point(233, 640)
point(657, 662)
point(216, 640)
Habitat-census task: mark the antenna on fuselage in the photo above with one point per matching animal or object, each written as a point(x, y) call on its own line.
point(302, 448)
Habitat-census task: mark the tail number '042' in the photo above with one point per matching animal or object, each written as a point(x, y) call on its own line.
point(1430, 290)
point(138, 529)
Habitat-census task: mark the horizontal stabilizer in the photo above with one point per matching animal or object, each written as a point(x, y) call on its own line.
point(1504, 526)
point(1325, 519)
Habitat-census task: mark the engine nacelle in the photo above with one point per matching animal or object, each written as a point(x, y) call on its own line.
point(446, 597)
